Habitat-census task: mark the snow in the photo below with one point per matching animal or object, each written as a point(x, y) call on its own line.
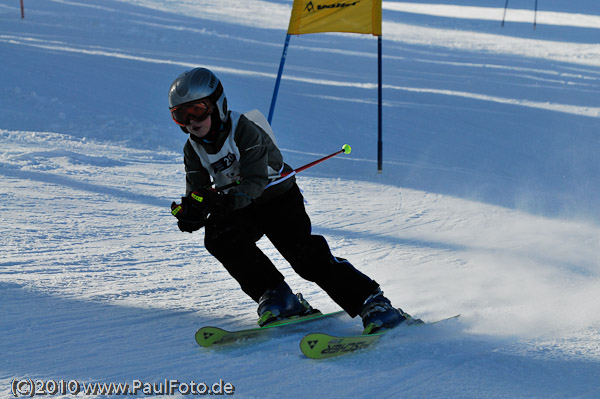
point(487, 205)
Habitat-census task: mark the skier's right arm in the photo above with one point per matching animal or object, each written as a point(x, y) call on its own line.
point(191, 213)
point(196, 177)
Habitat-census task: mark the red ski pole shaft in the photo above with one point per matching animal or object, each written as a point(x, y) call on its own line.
point(345, 149)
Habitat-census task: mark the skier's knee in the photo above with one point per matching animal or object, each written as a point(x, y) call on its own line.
point(314, 256)
point(213, 246)
point(219, 239)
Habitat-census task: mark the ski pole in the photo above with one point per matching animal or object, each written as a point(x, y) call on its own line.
point(346, 149)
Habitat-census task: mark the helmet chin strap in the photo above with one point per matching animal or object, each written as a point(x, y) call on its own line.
point(205, 141)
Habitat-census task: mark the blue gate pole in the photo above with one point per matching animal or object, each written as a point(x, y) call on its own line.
point(379, 110)
point(278, 81)
point(504, 16)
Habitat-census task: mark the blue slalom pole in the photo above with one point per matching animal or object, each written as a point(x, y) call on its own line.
point(504, 16)
point(278, 81)
point(379, 110)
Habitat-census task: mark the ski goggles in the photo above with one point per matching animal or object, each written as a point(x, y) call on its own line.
point(198, 111)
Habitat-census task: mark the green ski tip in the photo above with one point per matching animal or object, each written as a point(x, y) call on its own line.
point(347, 149)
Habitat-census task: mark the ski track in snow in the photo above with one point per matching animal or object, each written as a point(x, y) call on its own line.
point(487, 205)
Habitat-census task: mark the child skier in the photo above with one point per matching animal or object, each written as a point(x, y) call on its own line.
point(237, 154)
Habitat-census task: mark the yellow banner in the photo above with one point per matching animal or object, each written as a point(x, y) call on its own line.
point(315, 16)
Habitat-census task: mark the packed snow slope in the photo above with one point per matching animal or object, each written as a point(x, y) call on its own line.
point(487, 205)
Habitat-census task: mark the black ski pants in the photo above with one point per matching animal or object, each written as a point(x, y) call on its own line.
point(232, 240)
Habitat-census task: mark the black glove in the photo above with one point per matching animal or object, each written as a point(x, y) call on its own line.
point(215, 201)
point(191, 214)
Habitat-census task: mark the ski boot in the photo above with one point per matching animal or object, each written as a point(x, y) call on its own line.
point(280, 303)
point(378, 314)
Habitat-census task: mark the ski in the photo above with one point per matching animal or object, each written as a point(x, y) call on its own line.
point(209, 336)
point(322, 346)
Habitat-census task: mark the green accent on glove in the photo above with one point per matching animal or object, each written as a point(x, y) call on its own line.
point(197, 197)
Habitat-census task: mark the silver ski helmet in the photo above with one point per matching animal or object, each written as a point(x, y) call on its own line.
point(197, 84)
